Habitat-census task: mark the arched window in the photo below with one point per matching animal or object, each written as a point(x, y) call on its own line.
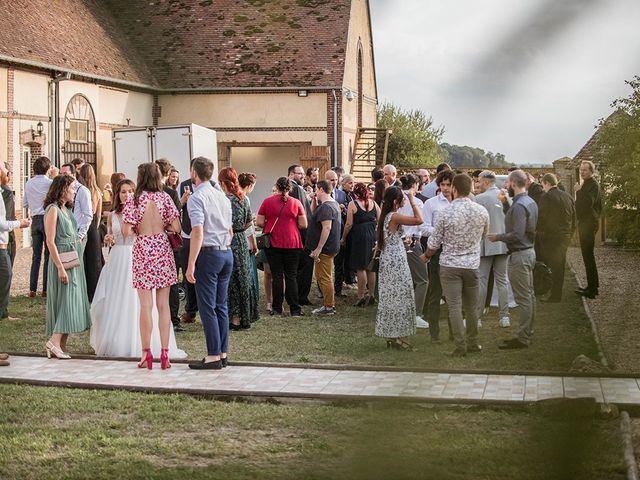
point(80, 131)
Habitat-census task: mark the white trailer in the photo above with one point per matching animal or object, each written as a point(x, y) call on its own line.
point(177, 143)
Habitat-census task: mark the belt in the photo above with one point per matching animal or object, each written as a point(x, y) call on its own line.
point(215, 248)
point(520, 249)
point(3, 246)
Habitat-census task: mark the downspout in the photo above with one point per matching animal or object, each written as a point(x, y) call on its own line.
point(335, 129)
point(55, 117)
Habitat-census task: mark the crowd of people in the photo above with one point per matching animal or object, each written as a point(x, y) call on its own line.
point(408, 243)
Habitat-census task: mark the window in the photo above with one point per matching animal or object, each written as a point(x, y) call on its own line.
point(78, 131)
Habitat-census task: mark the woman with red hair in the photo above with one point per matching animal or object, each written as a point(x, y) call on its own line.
point(243, 307)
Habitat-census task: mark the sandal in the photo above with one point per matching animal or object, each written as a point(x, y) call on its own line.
point(399, 344)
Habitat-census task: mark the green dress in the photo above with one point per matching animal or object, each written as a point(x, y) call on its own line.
point(68, 308)
point(242, 302)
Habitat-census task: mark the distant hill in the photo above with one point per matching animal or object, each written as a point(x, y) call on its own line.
point(472, 157)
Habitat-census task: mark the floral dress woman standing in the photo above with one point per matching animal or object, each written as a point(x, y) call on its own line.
point(243, 307)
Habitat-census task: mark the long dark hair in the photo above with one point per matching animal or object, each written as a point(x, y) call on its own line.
point(87, 177)
point(392, 196)
point(117, 203)
point(378, 193)
point(57, 190)
point(149, 179)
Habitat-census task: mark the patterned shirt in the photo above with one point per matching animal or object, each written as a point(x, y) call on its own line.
point(459, 228)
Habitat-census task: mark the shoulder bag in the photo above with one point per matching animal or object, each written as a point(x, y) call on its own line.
point(263, 241)
point(69, 260)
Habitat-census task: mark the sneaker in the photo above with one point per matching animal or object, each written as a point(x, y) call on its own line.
point(479, 323)
point(324, 311)
point(505, 322)
point(421, 322)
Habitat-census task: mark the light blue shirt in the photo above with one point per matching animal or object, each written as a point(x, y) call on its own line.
point(82, 209)
point(211, 209)
point(35, 191)
point(430, 189)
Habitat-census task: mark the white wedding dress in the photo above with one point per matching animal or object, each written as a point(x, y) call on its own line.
point(115, 310)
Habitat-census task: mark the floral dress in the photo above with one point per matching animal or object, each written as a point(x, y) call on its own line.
point(153, 263)
point(242, 301)
point(396, 315)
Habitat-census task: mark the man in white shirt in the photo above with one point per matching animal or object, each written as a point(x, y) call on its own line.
point(430, 212)
point(6, 226)
point(82, 208)
point(459, 230)
point(412, 235)
point(35, 191)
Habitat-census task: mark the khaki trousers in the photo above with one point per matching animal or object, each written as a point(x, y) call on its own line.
point(324, 277)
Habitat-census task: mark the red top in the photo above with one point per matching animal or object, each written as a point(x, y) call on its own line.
point(285, 234)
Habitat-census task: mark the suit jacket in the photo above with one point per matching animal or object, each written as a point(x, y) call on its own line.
point(556, 214)
point(588, 203)
point(489, 200)
point(9, 199)
point(535, 191)
point(298, 192)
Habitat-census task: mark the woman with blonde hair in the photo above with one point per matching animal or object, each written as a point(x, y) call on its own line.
point(93, 260)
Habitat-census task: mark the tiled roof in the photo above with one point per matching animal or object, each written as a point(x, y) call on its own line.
point(238, 43)
point(184, 44)
point(77, 35)
point(589, 150)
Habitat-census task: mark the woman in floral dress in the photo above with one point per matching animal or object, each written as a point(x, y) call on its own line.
point(151, 214)
point(243, 307)
point(396, 306)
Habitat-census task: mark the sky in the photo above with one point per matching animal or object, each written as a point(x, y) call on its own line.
point(527, 78)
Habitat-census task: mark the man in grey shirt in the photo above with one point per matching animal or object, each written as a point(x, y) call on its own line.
point(493, 255)
point(520, 230)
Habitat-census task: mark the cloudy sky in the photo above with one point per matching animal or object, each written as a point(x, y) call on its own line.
point(528, 78)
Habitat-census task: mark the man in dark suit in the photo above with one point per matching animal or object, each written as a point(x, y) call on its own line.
point(305, 262)
point(588, 209)
point(191, 304)
point(174, 296)
point(556, 224)
point(339, 260)
point(534, 189)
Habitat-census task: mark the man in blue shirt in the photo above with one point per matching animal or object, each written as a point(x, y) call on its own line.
point(520, 230)
point(210, 261)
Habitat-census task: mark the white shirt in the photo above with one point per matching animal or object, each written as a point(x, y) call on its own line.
point(6, 225)
point(410, 230)
point(35, 191)
point(430, 212)
point(211, 209)
point(82, 209)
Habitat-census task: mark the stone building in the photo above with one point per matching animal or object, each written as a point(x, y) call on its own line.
point(282, 81)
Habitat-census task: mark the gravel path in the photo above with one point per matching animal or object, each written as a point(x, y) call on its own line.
point(20, 282)
point(616, 310)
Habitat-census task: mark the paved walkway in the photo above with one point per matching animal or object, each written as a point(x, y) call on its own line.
point(318, 383)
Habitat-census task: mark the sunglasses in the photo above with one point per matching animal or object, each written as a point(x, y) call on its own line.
point(371, 189)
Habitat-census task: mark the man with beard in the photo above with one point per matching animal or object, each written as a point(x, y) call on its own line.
point(312, 180)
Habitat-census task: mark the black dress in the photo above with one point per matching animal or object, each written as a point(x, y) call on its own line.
point(362, 237)
point(93, 259)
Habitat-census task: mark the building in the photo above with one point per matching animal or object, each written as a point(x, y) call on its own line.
point(282, 82)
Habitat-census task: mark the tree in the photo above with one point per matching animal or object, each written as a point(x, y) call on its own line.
point(618, 150)
point(472, 157)
point(414, 141)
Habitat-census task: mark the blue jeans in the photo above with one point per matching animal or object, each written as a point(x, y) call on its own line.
point(213, 272)
point(38, 242)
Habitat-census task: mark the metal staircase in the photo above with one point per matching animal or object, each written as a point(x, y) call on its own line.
point(370, 149)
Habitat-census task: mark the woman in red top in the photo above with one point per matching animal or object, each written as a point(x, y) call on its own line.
point(282, 216)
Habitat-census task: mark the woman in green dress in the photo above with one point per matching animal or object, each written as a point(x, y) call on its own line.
point(247, 183)
point(68, 308)
point(243, 308)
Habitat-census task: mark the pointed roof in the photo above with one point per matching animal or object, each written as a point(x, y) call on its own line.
point(183, 44)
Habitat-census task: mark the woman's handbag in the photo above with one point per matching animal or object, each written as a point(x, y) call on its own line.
point(175, 239)
point(374, 264)
point(263, 241)
point(70, 259)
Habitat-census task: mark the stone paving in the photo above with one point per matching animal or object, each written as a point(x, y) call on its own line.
point(268, 381)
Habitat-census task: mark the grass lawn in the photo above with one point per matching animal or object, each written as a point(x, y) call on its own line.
point(562, 332)
point(78, 434)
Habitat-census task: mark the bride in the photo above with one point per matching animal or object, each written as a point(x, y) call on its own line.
point(115, 308)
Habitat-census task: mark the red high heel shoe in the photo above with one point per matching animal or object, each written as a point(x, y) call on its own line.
point(147, 360)
point(164, 359)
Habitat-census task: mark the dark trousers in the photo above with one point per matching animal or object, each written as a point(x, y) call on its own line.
point(339, 269)
point(191, 306)
point(213, 272)
point(5, 282)
point(304, 278)
point(587, 234)
point(38, 242)
point(12, 248)
point(553, 252)
point(174, 296)
point(284, 263)
point(434, 294)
